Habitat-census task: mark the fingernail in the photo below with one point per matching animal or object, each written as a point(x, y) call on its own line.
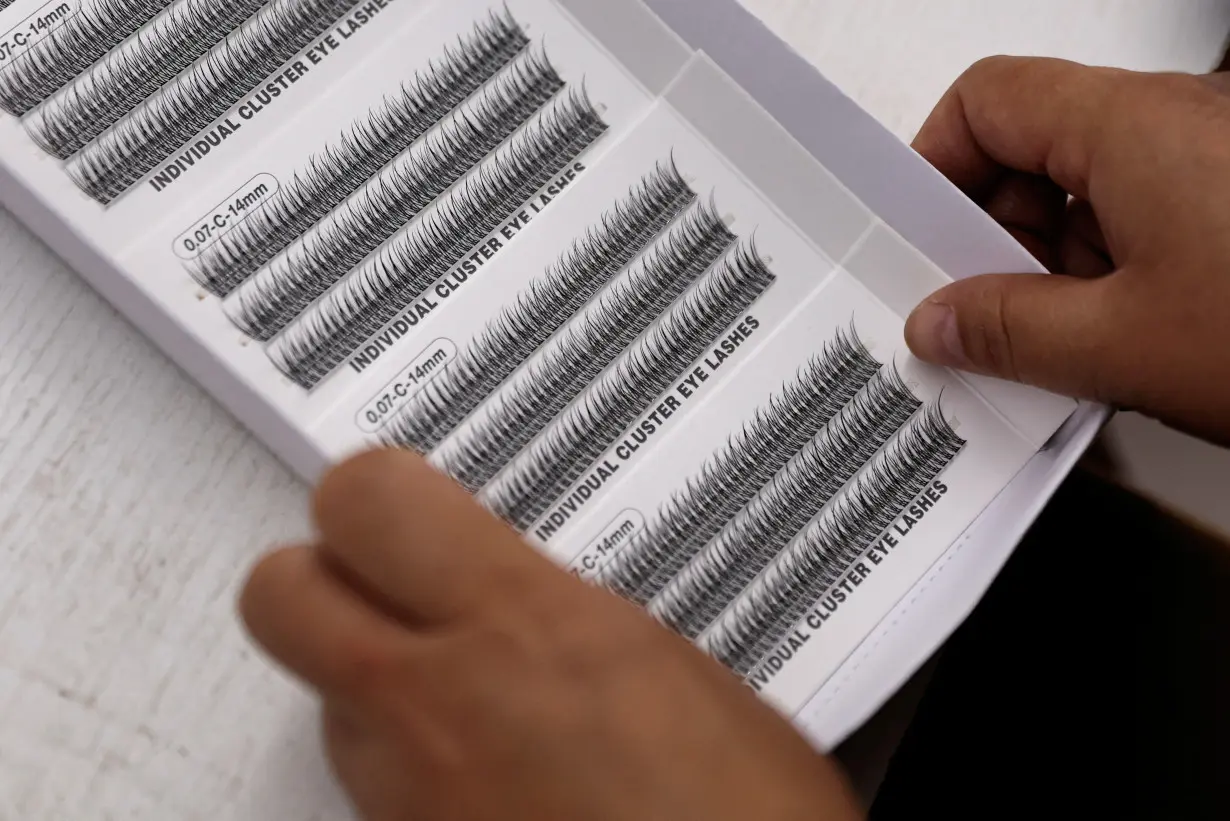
point(933, 332)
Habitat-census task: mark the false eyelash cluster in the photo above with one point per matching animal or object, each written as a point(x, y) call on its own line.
point(809, 481)
point(111, 164)
point(405, 267)
point(365, 147)
point(394, 197)
point(732, 477)
point(71, 49)
point(115, 85)
point(589, 346)
point(542, 309)
point(608, 407)
point(815, 560)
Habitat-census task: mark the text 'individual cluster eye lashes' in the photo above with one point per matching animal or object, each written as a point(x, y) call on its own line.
point(275, 297)
point(586, 430)
point(818, 557)
point(4, 4)
point(813, 477)
point(542, 309)
point(367, 146)
point(732, 477)
point(115, 85)
point(320, 340)
point(575, 358)
point(146, 136)
point(71, 49)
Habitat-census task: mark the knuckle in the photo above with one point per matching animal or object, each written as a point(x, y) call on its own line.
point(370, 671)
point(1004, 349)
point(609, 638)
point(1106, 358)
point(510, 647)
point(1000, 71)
point(1135, 102)
point(991, 64)
point(992, 345)
point(984, 71)
point(573, 639)
point(579, 647)
point(527, 584)
point(1172, 84)
point(1126, 96)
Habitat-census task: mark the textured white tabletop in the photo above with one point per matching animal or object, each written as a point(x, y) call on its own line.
point(130, 504)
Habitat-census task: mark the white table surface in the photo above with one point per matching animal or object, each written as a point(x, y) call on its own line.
point(130, 504)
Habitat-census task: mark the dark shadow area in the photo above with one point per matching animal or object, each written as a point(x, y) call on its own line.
point(1093, 679)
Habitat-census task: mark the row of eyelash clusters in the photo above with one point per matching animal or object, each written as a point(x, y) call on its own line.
point(406, 194)
point(557, 376)
point(119, 86)
point(776, 517)
point(370, 222)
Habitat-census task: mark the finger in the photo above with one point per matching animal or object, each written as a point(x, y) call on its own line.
point(1031, 208)
point(313, 624)
point(1036, 115)
point(1082, 250)
point(1045, 330)
point(418, 540)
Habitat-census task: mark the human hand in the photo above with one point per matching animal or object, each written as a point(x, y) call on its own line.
point(1142, 319)
point(464, 676)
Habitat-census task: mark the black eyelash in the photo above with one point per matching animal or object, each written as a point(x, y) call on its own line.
point(749, 459)
point(799, 491)
point(620, 315)
point(367, 146)
point(117, 84)
point(393, 198)
point(373, 296)
point(815, 560)
point(542, 309)
point(187, 105)
point(534, 482)
point(71, 49)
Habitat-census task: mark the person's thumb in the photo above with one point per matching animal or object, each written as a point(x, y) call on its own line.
point(1045, 330)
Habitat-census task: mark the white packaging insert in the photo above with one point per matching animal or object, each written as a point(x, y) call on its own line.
point(633, 274)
